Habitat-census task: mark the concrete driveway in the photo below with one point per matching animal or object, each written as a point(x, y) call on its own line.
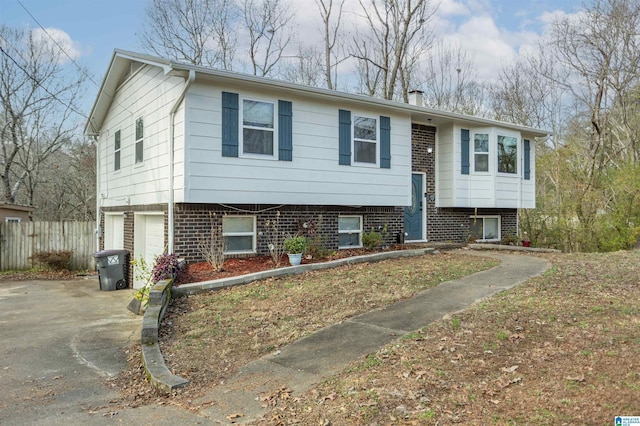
point(59, 343)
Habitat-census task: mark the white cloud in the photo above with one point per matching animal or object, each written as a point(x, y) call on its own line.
point(452, 8)
point(474, 25)
point(56, 39)
point(486, 43)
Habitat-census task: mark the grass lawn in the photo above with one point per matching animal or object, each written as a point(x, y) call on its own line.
point(560, 348)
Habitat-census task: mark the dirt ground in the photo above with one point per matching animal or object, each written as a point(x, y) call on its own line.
point(560, 349)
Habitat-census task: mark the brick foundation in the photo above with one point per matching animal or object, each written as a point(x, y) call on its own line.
point(193, 223)
point(448, 224)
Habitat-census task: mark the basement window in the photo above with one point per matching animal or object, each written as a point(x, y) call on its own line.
point(485, 228)
point(349, 232)
point(239, 234)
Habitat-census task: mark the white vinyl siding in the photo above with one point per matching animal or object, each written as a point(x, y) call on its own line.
point(239, 234)
point(502, 186)
point(349, 232)
point(149, 94)
point(313, 177)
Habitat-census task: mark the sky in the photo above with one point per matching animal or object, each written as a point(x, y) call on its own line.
point(494, 32)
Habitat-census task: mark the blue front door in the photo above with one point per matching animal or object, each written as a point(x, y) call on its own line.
point(413, 213)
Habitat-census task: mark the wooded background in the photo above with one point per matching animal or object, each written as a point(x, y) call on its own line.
point(580, 82)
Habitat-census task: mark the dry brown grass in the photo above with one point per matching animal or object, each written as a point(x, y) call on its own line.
point(563, 348)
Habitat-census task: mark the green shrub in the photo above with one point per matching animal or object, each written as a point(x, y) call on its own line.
point(295, 245)
point(58, 260)
point(371, 240)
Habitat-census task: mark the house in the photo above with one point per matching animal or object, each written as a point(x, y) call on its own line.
point(14, 212)
point(182, 148)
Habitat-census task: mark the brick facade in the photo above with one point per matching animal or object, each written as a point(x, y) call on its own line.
point(193, 223)
point(448, 224)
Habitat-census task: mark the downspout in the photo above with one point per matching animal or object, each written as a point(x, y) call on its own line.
point(98, 230)
point(172, 116)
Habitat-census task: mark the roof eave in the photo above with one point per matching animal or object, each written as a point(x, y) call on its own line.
point(102, 102)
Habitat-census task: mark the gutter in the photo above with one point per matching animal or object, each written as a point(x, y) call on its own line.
point(172, 117)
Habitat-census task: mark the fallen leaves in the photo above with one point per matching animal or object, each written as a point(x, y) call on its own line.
point(271, 399)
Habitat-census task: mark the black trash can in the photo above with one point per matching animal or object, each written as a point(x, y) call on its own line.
point(113, 269)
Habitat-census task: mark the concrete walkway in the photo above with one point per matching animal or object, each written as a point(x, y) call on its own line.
point(310, 360)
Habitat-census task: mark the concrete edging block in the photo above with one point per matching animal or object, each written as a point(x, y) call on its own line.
point(196, 288)
point(155, 369)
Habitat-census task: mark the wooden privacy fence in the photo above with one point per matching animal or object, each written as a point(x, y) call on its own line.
point(20, 241)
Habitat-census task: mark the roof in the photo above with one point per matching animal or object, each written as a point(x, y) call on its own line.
point(122, 59)
point(17, 207)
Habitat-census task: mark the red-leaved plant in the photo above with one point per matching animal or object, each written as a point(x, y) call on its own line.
point(165, 266)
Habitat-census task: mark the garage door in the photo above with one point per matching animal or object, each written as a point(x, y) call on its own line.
point(149, 240)
point(113, 231)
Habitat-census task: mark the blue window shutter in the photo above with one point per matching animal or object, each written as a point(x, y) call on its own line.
point(344, 135)
point(385, 142)
point(285, 132)
point(229, 124)
point(527, 159)
point(464, 137)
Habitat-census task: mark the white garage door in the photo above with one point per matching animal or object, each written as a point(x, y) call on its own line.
point(149, 239)
point(113, 231)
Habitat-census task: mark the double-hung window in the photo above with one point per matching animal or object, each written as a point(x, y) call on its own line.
point(239, 234)
point(116, 151)
point(349, 231)
point(507, 154)
point(258, 127)
point(365, 140)
point(481, 152)
point(139, 146)
point(485, 228)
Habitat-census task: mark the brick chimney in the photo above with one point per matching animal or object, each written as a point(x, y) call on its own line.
point(415, 97)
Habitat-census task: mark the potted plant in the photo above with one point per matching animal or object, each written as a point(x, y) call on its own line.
point(295, 246)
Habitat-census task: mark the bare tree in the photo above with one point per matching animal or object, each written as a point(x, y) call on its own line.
point(450, 81)
point(267, 25)
point(601, 51)
point(305, 67)
point(68, 184)
point(200, 32)
point(396, 36)
point(38, 109)
point(331, 38)
point(529, 93)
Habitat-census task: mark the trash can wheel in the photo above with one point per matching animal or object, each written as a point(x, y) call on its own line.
point(121, 285)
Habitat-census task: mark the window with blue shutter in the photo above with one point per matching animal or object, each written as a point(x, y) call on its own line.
point(385, 142)
point(527, 159)
point(229, 124)
point(464, 158)
point(344, 137)
point(285, 133)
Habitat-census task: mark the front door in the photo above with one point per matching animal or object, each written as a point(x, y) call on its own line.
point(413, 213)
